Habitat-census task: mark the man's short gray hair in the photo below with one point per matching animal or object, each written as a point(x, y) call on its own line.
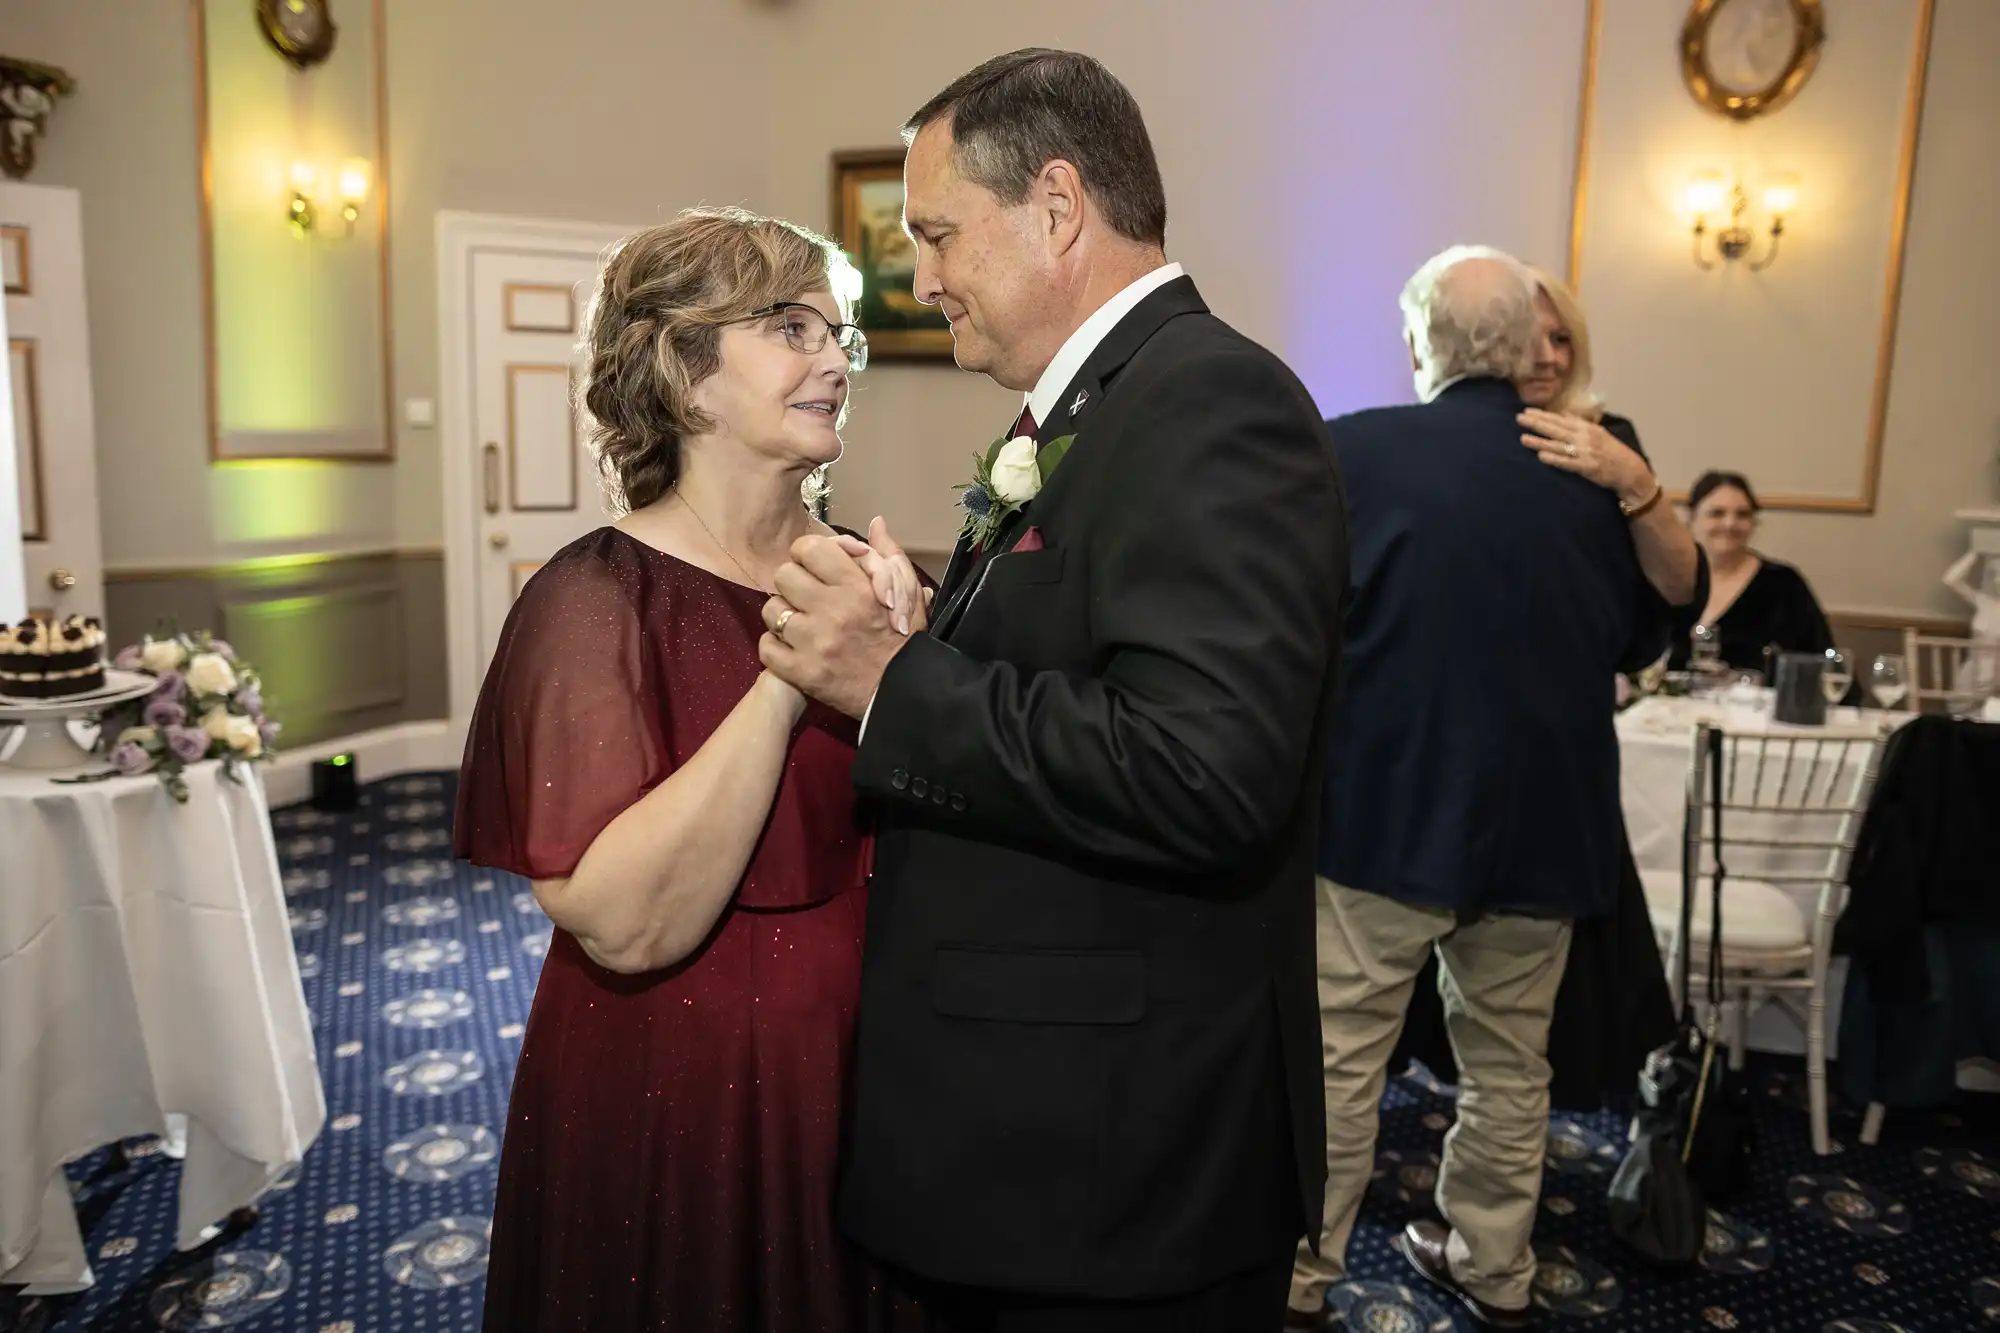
point(1465, 322)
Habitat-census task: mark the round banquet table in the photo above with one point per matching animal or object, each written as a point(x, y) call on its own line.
point(147, 986)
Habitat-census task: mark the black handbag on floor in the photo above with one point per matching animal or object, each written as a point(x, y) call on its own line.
point(1692, 1142)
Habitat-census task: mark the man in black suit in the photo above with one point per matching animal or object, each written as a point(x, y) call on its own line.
point(1471, 804)
point(1087, 1091)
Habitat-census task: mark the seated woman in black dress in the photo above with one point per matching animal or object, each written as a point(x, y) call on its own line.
point(1754, 602)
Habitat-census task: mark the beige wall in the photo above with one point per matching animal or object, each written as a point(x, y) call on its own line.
point(1941, 451)
point(1774, 373)
point(1314, 153)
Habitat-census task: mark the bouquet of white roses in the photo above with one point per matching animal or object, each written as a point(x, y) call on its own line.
point(208, 704)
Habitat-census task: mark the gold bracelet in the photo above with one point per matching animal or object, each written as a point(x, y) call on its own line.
point(1635, 511)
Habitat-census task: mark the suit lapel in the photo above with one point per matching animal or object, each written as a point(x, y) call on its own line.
point(954, 572)
point(1080, 399)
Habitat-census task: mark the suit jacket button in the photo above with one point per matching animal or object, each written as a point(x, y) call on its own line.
point(937, 795)
point(899, 779)
point(958, 800)
point(919, 787)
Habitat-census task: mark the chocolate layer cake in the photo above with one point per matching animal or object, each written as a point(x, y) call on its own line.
point(44, 660)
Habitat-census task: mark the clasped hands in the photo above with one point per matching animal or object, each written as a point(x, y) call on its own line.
point(843, 608)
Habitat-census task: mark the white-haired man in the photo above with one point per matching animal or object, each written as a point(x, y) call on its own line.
point(1471, 802)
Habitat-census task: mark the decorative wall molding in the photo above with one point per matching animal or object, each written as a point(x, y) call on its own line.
point(138, 573)
point(331, 643)
point(345, 641)
point(23, 379)
point(16, 262)
point(349, 441)
point(534, 307)
point(1867, 488)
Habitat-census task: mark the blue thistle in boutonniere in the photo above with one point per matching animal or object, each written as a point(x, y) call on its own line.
point(1008, 475)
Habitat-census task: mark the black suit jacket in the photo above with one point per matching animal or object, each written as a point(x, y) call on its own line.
point(1088, 1057)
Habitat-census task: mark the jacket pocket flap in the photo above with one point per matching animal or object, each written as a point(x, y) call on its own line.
point(1042, 566)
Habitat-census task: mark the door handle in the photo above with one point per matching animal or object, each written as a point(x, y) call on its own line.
point(498, 541)
point(491, 478)
point(61, 580)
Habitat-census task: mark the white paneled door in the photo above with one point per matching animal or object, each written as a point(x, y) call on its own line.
point(48, 383)
point(535, 487)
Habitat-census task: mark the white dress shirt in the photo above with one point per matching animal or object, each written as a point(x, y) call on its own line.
point(1076, 349)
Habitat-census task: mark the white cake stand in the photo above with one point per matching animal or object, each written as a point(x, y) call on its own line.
point(47, 742)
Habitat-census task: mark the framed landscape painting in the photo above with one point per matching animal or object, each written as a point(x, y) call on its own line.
point(868, 223)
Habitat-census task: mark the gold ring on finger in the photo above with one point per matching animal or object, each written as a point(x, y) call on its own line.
point(784, 619)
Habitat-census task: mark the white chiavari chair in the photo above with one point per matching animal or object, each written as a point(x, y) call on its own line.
point(1960, 674)
point(1792, 804)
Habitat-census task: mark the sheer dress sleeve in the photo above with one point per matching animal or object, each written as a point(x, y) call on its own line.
point(568, 731)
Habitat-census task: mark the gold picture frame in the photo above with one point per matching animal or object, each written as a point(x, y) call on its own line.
point(867, 216)
point(1746, 58)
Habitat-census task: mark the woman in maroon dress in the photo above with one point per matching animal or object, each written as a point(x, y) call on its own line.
point(686, 819)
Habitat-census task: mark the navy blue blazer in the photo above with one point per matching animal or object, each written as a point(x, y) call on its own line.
point(1473, 765)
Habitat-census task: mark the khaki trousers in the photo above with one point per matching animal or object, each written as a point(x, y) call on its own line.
point(1498, 977)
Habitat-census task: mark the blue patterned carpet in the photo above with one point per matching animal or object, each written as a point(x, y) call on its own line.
point(419, 971)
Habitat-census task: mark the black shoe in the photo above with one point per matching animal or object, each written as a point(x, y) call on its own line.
point(1422, 1243)
point(1305, 1321)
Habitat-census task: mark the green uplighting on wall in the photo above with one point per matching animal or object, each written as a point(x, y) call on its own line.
point(273, 500)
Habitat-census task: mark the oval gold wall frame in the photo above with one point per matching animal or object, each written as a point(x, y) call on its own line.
point(1697, 61)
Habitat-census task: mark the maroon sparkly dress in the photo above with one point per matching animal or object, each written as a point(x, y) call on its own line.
point(671, 1146)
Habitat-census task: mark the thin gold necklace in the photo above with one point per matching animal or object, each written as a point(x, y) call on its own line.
point(755, 582)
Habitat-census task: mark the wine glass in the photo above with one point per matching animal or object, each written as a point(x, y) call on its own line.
point(1704, 653)
point(1886, 680)
point(1838, 677)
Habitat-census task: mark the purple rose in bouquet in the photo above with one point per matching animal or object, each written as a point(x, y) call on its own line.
point(189, 744)
point(172, 686)
point(127, 659)
point(131, 759)
point(164, 713)
point(268, 732)
point(251, 701)
point(222, 650)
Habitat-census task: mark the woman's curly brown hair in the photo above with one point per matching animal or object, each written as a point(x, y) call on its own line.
point(654, 332)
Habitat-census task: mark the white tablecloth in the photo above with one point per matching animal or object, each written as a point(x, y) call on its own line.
point(1656, 745)
point(146, 970)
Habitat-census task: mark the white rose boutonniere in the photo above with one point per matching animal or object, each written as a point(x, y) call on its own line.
point(160, 655)
point(1016, 479)
point(1004, 479)
point(210, 673)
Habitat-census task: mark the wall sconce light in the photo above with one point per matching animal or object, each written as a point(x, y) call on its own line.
point(351, 189)
point(1708, 195)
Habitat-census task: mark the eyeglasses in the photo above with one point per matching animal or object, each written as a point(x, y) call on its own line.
point(806, 330)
